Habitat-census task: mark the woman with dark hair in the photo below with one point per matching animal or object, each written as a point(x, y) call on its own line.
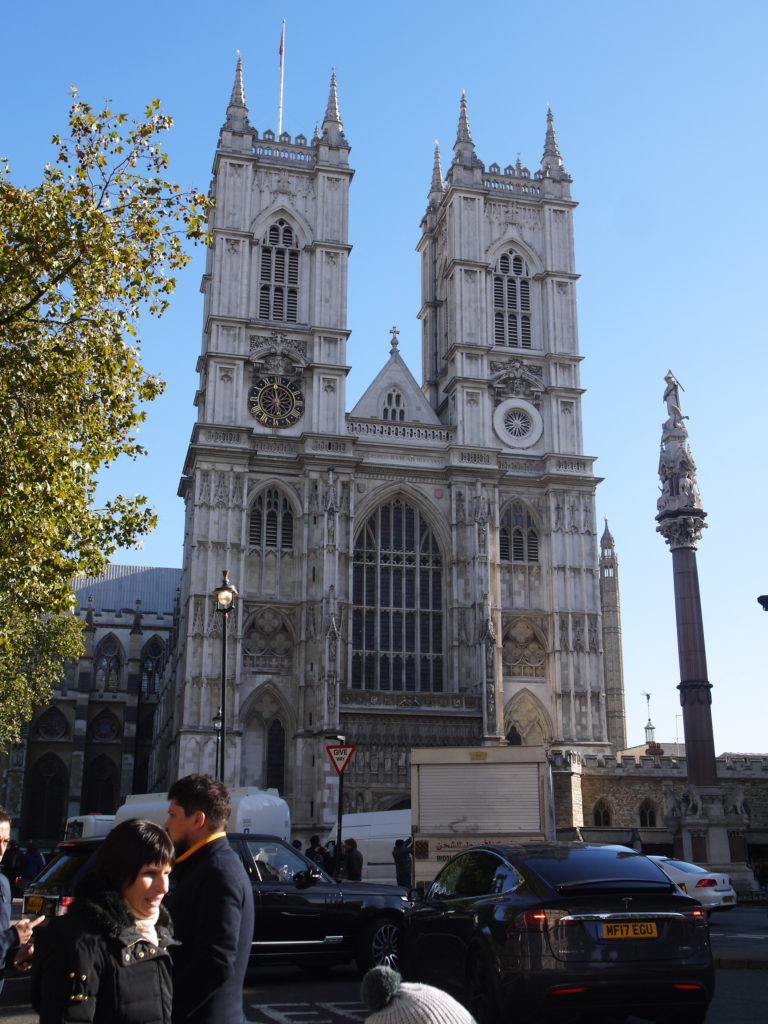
point(106, 960)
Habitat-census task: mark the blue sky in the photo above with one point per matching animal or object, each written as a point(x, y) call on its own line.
point(659, 111)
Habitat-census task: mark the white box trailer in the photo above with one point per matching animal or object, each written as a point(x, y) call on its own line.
point(375, 833)
point(466, 795)
point(260, 811)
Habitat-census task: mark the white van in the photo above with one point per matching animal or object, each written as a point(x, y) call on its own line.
point(253, 810)
point(375, 833)
point(85, 826)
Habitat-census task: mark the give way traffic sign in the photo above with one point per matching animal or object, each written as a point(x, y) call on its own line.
point(340, 756)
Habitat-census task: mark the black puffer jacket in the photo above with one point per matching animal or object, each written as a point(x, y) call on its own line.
point(93, 966)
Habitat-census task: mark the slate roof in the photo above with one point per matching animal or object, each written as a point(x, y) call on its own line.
point(121, 585)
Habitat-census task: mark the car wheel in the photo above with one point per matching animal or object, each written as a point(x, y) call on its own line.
point(379, 945)
point(481, 990)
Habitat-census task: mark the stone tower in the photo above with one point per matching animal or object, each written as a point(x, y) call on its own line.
point(612, 652)
point(422, 570)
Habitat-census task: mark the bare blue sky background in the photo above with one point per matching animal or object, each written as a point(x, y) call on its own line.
point(659, 110)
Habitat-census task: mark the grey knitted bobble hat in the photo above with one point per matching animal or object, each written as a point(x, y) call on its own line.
point(394, 1001)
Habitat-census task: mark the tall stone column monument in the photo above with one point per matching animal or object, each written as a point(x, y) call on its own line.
point(704, 830)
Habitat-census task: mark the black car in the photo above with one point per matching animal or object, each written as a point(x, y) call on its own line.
point(561, 931)
point(302, 914)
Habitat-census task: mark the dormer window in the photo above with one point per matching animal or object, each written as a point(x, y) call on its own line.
point(394, 406)
point(279, 274)
point(512, 301)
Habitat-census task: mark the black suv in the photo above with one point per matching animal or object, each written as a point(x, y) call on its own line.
point(302, 914)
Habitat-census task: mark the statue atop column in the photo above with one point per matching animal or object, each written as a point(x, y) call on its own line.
point(680, 517)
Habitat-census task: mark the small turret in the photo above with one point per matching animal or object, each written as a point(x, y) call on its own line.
point(237, 112)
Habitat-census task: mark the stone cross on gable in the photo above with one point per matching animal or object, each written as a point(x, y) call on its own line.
point(395, 333)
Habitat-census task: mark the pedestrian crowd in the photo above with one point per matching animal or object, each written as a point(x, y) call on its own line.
point(160, 928)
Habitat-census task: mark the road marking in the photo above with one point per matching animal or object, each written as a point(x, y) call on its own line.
point(336, 1012)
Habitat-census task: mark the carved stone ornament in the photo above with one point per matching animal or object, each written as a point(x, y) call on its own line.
point(516, 380)
point(278, 354)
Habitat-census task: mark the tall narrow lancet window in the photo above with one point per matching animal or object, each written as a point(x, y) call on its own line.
point(647, 815)
point(152, 666)
point(271, 522)
point(279, 274)
point(512, 288)
point(397, 594)
point(518, 538)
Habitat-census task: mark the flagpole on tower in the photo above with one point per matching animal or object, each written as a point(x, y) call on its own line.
point(280, 104)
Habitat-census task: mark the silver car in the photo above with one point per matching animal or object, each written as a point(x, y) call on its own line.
point(711, 889)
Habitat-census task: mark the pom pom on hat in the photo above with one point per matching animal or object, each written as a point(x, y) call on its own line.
point(396, 1002)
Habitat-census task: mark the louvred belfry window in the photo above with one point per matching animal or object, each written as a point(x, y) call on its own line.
point(518, 538)
point(397, 594)
point(271, 522)
point(279, 274)
point(512, 301)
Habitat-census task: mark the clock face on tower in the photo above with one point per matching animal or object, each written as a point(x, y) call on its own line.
point(276, 401)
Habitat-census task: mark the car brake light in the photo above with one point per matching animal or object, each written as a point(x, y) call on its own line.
point(540, 920)
point(64, 904)
point(706, 882)
point(567, 991)
point(695, 988)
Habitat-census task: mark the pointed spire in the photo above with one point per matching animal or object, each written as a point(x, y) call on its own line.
point(436, 188)
point(606, 540)
point(463, 134)
point(463, 147)
point(237, 112)
point(333, 129)
point(551, 161)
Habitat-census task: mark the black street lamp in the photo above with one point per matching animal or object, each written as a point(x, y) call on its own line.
point(217, 730)
point(763, 602)
point(225, 601)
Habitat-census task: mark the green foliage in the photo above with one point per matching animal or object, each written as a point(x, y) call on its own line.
point(82, 254)
point(32, 653)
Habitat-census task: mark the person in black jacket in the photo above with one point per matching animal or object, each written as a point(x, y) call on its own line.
point(106, 961)
point(211, 903)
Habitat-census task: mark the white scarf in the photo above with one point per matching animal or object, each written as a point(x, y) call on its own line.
point(145, 925)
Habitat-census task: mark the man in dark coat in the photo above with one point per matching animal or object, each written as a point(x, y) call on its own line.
point(352, 861)
point(211, 904)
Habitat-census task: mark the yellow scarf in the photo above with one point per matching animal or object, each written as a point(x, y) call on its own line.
point(196, 847)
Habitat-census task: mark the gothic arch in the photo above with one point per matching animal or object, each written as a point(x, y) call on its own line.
point(267, 721)
point(602, 815)
point(277, 211)
point(511, 241)
point(426, 507)
point(529, 718)
point(45, 801)
point(523, 651)
point(519, 532)
point(108, 664)
point(101, 786)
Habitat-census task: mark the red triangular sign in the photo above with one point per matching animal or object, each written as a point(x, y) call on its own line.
point(340, 757)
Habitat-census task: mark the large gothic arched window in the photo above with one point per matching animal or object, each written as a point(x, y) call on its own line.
point(512, 301)
point(279, 274)
point(397, 593)
point(108, 665)
point(518, 539)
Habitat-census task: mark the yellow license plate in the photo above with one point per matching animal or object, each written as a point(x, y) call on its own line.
point(728, 899)
point(629, 930)
point(34, 904)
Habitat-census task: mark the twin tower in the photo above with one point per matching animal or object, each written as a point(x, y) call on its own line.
point(423, 569)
